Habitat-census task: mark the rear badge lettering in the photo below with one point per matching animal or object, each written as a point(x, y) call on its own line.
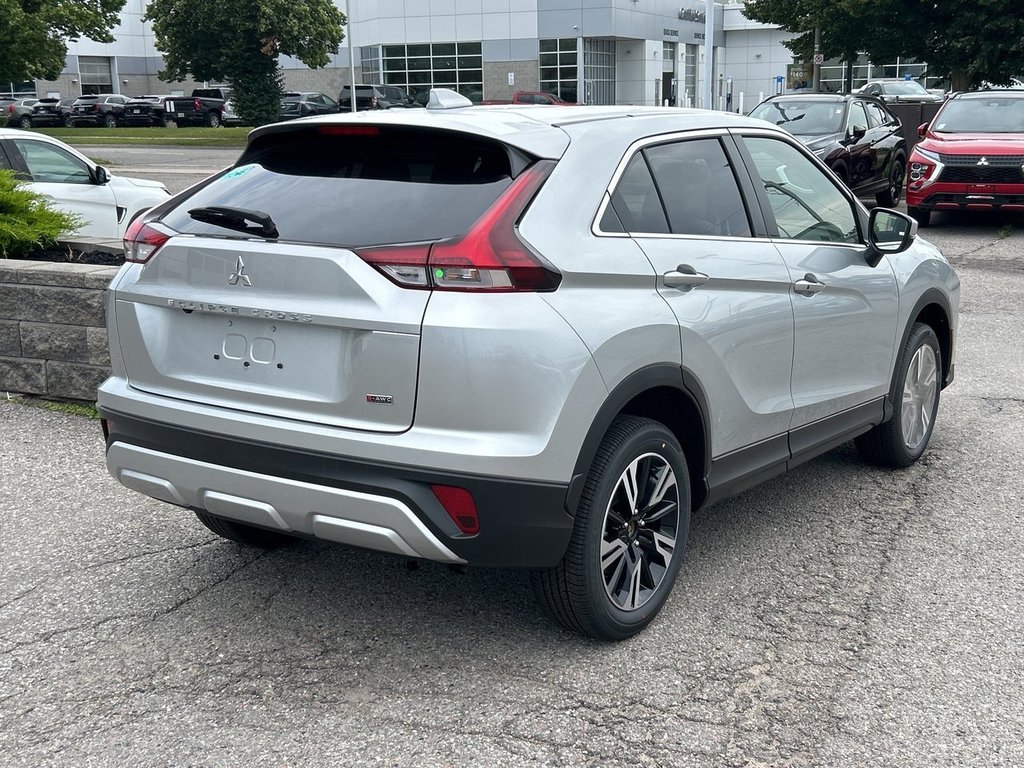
point(227, 309)
point(380, 399)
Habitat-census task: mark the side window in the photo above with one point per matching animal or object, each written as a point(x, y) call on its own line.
point(876, 118)
point(805, 202)
point(636, 202)
point(5, 164)
point(324, 99)
point(857, 119)
point(698, 188)
point(48, 163)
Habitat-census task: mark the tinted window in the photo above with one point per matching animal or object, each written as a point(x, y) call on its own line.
point(5, 164)
point(320, 186)
point(806, 204)
point(636, 201)
point(698, 188)
point(803, 118)
point(857, 118)
point(876, 115)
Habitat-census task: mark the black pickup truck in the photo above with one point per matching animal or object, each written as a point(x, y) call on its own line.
point(204, 107)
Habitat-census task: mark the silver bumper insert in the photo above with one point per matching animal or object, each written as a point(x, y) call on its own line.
point(334, 514)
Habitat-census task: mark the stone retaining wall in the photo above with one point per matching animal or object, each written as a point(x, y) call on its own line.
point(53, 338)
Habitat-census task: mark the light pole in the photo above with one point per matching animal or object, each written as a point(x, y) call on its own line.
point(351, 58)
point(709, 54)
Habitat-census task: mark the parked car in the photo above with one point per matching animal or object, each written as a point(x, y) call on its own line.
point(306, 104)
point(375, 97)
point(856, 136)
point(204, 107)
point(531, 97)
point(19, 112)
point(73, 183)
point(51, 112)
point(899, 92)
point(101, 109)
point(970, 157)
point(143, 111)
point(570, 339)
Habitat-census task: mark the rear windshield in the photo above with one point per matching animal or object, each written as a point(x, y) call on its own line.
point(808, 118)
point(399, 185)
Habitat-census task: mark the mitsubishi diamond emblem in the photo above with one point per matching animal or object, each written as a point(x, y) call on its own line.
point(983, 161)
point(240, 274)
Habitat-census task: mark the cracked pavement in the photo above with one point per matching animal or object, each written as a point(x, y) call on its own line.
point(839, 615)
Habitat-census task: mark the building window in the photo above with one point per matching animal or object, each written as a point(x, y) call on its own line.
point(369, 66)
point(599, 71)
point(94, 72)
point(418, 67)
point(558, 67)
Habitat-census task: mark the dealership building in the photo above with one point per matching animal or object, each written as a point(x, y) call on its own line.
point(643, 52)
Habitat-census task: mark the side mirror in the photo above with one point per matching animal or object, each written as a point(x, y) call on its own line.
point(102, 175)
point(890, 231)
point(922, 129)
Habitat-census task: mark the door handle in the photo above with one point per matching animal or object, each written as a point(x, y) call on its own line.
point(808, 286)
point(684, 276)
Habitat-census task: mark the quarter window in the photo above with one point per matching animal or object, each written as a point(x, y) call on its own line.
point(636, 202)
point(806, 204)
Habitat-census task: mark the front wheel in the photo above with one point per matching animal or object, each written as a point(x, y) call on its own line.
point(901, 441)
point(921, 215)
point(627, 544)
point(110, 121)
point(891, 195)
point(241, 533)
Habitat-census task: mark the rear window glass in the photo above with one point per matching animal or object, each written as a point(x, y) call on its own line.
point(399, 186)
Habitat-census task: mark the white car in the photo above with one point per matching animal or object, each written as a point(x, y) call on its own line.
point(73, 183)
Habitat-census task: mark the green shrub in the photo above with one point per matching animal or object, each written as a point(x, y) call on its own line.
point(27, 222)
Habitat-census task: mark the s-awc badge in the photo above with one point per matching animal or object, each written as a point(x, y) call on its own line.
point(380, 399)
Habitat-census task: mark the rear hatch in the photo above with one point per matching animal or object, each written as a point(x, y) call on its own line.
point(306, 325)
point(85, 105)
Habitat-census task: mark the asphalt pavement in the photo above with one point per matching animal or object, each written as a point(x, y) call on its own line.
point(839, 615)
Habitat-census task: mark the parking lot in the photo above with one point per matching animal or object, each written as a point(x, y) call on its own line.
point(840, 615)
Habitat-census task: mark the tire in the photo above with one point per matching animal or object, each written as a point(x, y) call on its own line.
point(902, 440)
point(25, 123)
point(921, 215)
point(841, 172)
point(213, 119)
point(241, 533)
point(110, 121)
point(893, 193)
point(66, 122)
point(593, 589)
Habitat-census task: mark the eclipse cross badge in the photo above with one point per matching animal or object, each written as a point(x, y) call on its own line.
point(239, 274)
point(983, 161)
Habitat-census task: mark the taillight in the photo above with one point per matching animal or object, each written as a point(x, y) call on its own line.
point(489, 257)
point(142, 240)
point(196, 105)
point(459, 504)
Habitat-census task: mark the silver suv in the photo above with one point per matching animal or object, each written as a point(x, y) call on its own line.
point(534, 337)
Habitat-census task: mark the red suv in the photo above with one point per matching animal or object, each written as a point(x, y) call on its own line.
point(971, 156)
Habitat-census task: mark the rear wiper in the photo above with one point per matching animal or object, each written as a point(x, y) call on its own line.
point(236, 219)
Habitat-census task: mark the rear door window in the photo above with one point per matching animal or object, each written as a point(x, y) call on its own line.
point(357, 186)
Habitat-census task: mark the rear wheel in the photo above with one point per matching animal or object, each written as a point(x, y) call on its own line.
point(890, 197)
point(213, 119)
point(66, 122)
point(25, 123)
point(110, 121)
point(627, 543)
point(902, 440)
point(244, 534)
point(921, 215)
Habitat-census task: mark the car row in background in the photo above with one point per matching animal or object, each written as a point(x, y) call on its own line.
point(897, 91)
point(71, 182)
point(856, 136)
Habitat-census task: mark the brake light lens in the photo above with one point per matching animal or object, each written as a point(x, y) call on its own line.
point(196, 105)
point(143, 240)
point(490, 257)
point(349, 130)
point(459, 504)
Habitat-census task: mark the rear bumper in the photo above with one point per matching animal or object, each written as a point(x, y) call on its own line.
point(389, 508)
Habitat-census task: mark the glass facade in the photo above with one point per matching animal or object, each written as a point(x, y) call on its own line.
point(599, 71)
point(95, 74)
point(558, 67)
point(418, 67)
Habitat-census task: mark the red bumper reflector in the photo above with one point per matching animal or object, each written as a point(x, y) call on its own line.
point(459, 504)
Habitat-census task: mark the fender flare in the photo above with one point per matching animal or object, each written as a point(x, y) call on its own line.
point(930, 296)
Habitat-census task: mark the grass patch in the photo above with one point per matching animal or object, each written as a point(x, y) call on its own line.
point(1005, 231)
point(85, 410)
point(175, 137)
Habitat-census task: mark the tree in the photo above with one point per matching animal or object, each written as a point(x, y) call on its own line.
point(238, 41)
point(966, 42)
point(34, 34)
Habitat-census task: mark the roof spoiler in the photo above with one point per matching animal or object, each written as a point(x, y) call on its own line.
point(446, 98)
